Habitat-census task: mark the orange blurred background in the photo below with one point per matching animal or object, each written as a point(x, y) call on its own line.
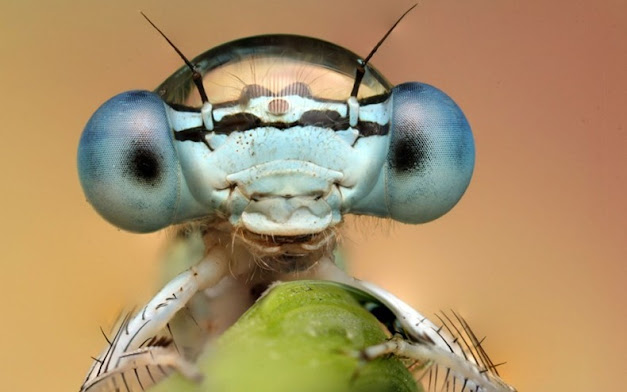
point(534, 256)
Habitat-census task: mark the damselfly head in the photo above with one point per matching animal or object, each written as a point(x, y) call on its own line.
point(280, 136)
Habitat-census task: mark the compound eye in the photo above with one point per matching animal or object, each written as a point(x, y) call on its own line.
point(431, 154)
point(127, 162)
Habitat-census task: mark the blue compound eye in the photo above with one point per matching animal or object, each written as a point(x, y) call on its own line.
point(127, 162)
point(431, 154)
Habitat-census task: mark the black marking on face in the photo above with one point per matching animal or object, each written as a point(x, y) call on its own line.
point(143, 165)
point(369, 128)
point(410, 152)
point(183, 108)
point(317, 118)
point(197, 134)
point(374, 99)
point(237, 122)
point(228, 104)
point(243, 121)
point(325, 119)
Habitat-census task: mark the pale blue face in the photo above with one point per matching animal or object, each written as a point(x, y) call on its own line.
point(282, 148)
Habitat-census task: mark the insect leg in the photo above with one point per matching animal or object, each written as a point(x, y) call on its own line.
point(136, 331)
point(466, 365)
point(415, 325)
point(141, 369)
point(459, 372)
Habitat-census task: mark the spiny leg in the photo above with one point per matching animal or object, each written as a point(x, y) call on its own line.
point(451, 347)
point(141, 369)
point(137, 331)
point(459, 373)
point(414, 324)
point(466, 365)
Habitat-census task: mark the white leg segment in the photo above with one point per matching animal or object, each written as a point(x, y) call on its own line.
point(415, 325)
point(462, 361)
point(154, 317)
point(459, 372)
point(141, 369)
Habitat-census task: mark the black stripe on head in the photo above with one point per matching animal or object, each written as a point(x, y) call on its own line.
point(318, 118)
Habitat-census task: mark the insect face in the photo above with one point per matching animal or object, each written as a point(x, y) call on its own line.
point(280, 149)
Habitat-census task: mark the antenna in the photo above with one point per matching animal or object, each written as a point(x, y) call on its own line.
point(196, 76)
point(361, 64)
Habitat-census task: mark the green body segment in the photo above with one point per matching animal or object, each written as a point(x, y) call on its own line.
point(300, 336)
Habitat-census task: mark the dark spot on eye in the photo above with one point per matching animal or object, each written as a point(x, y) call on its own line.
point(410, 151)
point(143, 165)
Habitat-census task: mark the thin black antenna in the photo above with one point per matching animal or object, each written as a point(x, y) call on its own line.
point(196, 76)
point(361, 65)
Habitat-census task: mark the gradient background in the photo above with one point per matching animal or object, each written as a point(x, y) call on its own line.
point(534, 255)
